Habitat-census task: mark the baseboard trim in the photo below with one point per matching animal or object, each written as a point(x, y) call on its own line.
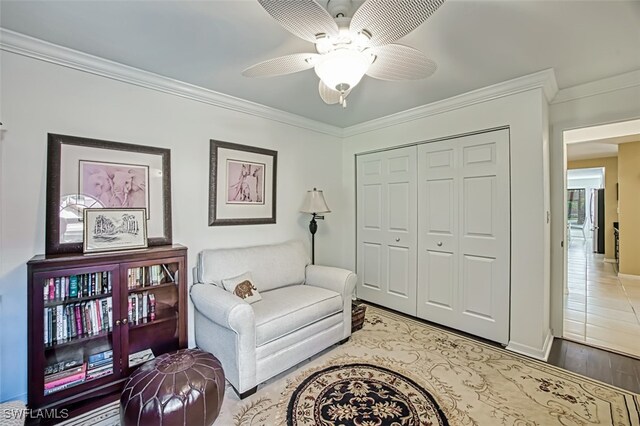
point(628, 276)
point(538, 353)
point(610, 260)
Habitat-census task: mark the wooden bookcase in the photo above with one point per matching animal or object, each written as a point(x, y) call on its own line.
point(65, 345)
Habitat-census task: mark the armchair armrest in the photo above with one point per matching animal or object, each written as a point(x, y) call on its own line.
point(223, 308)
point(337, 279)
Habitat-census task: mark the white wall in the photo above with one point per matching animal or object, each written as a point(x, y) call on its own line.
point(39, 97)
point(600, 102)
point(525, 114)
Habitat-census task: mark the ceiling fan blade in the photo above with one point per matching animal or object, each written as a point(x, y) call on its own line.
point(303, 18)
point(398, 62)
point(282, 65)
point(330, 96)
point(388, 20)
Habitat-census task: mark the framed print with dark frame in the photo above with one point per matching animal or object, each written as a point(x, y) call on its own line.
point(242, 184)
point(114, 229)
point(89, 173)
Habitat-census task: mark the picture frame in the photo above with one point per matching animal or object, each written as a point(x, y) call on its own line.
point(114, 229)
point(92, 173)
point(242, 184)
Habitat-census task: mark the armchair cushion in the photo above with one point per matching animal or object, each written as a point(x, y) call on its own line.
point(287, 309)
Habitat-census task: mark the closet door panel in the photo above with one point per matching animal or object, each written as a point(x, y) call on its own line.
point(437, 233)
point(484, 241)
point(387, 211)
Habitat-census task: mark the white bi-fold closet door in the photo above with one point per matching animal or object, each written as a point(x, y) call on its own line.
point(459, 209)
point(387, 228)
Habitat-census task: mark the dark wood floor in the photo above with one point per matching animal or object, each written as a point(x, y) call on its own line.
point(614, 369)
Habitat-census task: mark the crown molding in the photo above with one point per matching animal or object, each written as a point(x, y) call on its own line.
point(545, 80)
point(24, 45)
point(598, 87)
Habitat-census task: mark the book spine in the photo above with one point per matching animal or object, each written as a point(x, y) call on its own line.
point(110, 311)
point(105, 282)
point(140, 316)
point(46, 326)
point(52, 289)
point(145, 305)
point(152, 307)
point(63, 323)
point(101, 356)
point(62, 387)
point(57, 289)
point(88, 328)
point(76, 313)
point(50, 325)
point(73, 286)
point(63, 287)
point(45, 295)
point(134, 308)
point(105, 314)
point(109, 284)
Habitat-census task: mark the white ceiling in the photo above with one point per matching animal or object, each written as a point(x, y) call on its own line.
point(475, 43)
point(600, 141)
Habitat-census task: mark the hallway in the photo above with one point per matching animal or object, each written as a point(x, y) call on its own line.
point(600, 309)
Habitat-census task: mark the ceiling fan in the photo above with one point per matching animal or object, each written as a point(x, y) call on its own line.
point(350, 44)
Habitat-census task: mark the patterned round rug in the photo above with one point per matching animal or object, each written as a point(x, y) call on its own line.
point(361, 395)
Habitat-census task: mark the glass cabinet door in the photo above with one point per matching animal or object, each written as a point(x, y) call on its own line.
point(77, 328)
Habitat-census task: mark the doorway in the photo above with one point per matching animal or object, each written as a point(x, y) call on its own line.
point(601, 306)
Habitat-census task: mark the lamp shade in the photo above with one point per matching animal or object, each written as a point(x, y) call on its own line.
point(342, 68)
point(314, 203)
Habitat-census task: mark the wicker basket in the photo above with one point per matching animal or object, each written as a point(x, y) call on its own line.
point(357, 315)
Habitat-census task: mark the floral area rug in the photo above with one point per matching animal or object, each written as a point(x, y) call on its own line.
point(398, 371)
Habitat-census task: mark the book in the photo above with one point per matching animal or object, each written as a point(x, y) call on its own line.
point(101, 372)
point(76, 311)
point(140, 357)
point(130, 309)
point(73, 287)
point(63, 387)
point(152, 307)
point(105, 283)
point(110, 311)
point(170, 276)
point(56, 294)
point(134, 308)
point(46, 326)
point(145, 305)
point(108, 354)
point(46, 290)
point(100, 364)
point(139, 304)
point(104, 312)
point(52, 289)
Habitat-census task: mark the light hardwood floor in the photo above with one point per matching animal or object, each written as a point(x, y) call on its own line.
point(600, 309)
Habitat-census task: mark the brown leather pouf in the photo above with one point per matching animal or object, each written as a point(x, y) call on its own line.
point(181, 388)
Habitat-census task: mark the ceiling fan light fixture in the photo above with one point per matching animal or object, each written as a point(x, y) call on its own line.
point(342, 69)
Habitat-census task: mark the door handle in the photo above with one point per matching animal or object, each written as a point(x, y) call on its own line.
point(439, 244)
point(397, 240)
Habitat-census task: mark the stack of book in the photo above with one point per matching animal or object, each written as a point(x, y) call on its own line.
point(142, 307)
point(76, 286)
point(100, 365)
point(63, 375)
point(67, 321)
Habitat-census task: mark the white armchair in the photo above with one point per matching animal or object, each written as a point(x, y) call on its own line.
point(304, 309)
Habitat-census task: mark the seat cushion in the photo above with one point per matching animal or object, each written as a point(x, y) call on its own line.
point(287, 309)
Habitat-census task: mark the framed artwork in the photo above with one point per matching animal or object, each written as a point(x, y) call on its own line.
point(114, 229)
point(88, 173)
point(242, 184)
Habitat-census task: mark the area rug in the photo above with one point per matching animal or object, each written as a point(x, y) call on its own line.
point(471, 383)
point(399, 371)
